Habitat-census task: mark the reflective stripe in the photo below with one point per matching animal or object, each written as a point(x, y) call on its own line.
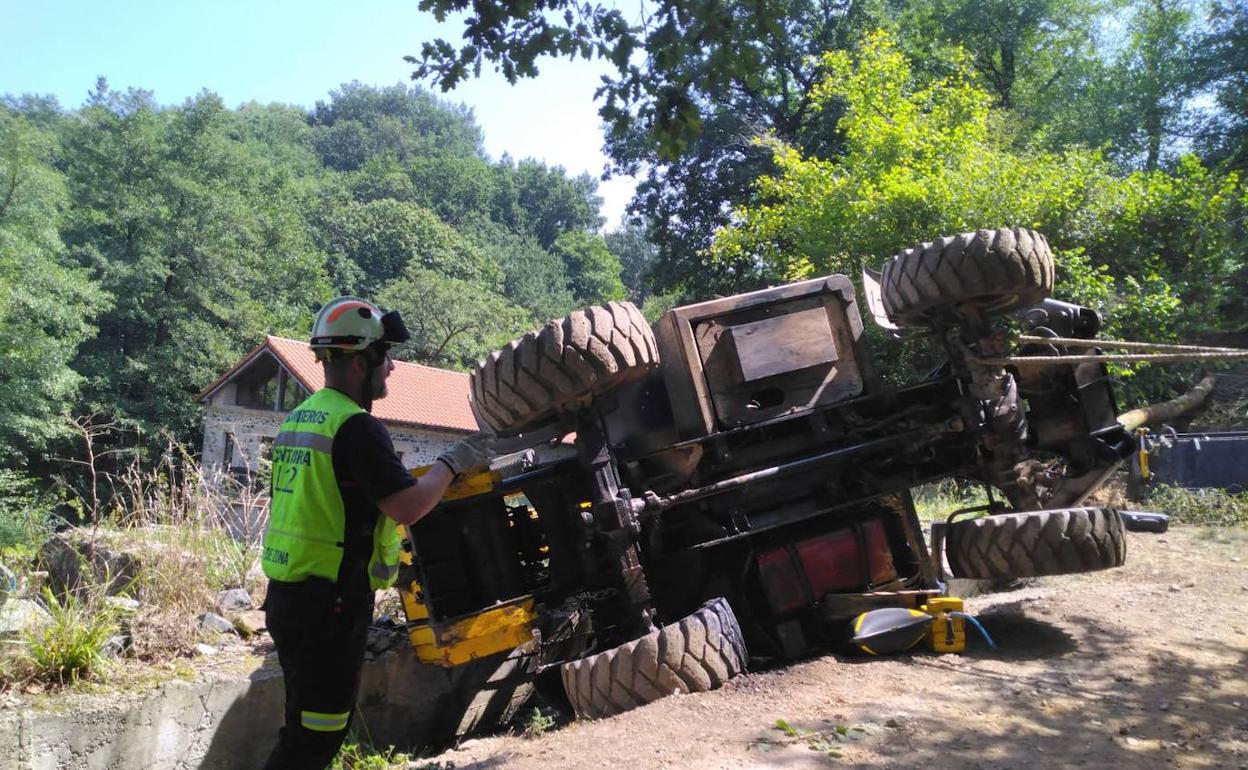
point(323, 723)
point(383, 571)
point(305, 440)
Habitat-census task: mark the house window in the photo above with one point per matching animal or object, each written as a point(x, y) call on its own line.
point(227, 457)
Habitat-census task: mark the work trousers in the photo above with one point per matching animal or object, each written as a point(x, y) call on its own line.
point(320, 636)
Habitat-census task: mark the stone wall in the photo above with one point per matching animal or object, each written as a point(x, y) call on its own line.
point(246, 431)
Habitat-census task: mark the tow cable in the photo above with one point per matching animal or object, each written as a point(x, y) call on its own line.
point(1166, 352)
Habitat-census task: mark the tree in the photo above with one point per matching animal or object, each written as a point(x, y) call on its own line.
point(46, 305)
point(1011, 43)
point(453, 322)
point(533, 277)
point(689, 49)
point(384, 236)
point(593, 271)
point(1225, 69)
point(550, 203)
point(200, 240)
point(361, 121)
point(714, 76)
point(1158, 75)
point(637, 256)
point(1157, 251)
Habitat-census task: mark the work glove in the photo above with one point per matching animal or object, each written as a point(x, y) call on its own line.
point(473, 452)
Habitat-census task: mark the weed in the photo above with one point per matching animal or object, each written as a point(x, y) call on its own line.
point(68, 647)
point(358, 756)
point(827, 742)
point(538, 723)
point(934, 502)
point(1209, 507)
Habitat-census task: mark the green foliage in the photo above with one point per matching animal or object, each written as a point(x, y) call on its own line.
point(361, 756)
point(45, 303)
point(593, 271)
point(453, 322)
point(934, 502)
point(1208, 507)
point(637, 256)
point(1156, 251)
point(1225, 69)
point(533, 278)
point(384, 236)
point(539, 723)
point(200, 242)
point(68, 648)
point(24, 520)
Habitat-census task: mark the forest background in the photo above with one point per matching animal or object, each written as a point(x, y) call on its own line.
point(145, 247)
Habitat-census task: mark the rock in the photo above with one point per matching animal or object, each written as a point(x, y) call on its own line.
point(115, 647)
point(380, 639)
point(1174, 589)
point(17, 615)
point(892, 723)
point(1164, 706)
point(72, 565)
point(205, 649)
point(249, 623)
point(1124, 730)
point(211, 622)
point(122, 604)
point(234, 600)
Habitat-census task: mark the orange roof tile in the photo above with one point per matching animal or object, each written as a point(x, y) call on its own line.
point(417, 395)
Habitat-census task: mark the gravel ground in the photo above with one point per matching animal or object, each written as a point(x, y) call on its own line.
point(1140, 667)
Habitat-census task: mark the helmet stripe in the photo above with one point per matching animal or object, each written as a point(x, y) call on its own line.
point(344, 307)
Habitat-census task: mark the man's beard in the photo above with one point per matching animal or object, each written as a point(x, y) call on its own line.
point(379, 389)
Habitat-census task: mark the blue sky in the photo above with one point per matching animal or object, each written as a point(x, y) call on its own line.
point(295, 53)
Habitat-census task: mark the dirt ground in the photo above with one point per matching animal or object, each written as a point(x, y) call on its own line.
point(1140, 667)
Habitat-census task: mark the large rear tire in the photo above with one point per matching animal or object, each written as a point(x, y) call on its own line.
point(699, 653)
point(525, 384)
point(1036, 543)
point(996, 270)
point(487, 693)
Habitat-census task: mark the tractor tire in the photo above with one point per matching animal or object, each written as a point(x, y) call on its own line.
point(526, 384)
point(1033, 544)
point(487, 693)
point(697, 654)
point(997, 270)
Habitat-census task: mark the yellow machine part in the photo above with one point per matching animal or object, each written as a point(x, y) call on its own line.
point(461, 640)
point(465, 486)
point(947, 633)
point(464, 639)
point(1142, 441)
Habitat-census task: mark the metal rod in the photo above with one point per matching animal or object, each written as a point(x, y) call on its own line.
point(777, 471)
point(1125, 345)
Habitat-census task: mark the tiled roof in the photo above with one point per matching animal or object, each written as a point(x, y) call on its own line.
point(417, 395)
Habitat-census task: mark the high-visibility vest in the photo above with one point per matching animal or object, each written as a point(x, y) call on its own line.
point(306, 535)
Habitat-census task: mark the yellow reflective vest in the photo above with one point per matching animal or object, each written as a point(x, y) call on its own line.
point(306, 535)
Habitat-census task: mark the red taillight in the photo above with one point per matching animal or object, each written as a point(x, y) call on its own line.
point(850, 559)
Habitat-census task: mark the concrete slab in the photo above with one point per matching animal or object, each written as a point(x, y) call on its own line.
point(222, 721)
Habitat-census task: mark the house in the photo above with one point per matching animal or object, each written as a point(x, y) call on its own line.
point(426, 409)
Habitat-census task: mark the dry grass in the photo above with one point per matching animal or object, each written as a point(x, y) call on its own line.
point(193, 535)
point(179, 521)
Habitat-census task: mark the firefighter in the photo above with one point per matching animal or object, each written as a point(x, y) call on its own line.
point(337, 489)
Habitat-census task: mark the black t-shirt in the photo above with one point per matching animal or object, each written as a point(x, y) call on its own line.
point(367, 470)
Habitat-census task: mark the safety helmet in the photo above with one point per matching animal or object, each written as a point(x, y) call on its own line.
point(351, 323)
